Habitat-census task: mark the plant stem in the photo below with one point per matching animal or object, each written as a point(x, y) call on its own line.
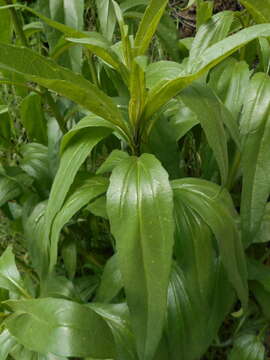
point(17, 24)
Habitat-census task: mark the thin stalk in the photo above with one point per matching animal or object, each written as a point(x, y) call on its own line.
point(17, 24)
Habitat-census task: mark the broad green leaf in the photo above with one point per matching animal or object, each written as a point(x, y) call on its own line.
point(59, 287)
point(118, 320)
point(264, 54)
point(139, 205)
point(7, 343)
point(230, 80)
point(69, 255)
point(61, 327)
point(35, 163)
point(247, 347)
point(260, 10)
point(10, 278)
point(52, 76)
point(161, 71)
point(115, 157)
point(255, 132)
point(106, 17)
point(32, 118)
point(111, 281)
point(213, 55)
point(215, 207)
point(210, 33)
point(83, 191)
point(212, 114)
point(193, 319)
point(148, 25)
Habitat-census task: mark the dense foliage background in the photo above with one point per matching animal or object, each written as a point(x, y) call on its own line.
point(134, 179)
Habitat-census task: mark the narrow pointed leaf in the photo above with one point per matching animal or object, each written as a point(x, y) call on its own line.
point(7, 343)
point(139, 204)
point(148, 25)
point(260, 10)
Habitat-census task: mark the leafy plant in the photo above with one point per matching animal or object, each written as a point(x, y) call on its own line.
point(139, 184)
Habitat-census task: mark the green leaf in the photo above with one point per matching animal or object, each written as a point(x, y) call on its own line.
point(215, 207)
point(106, 17)
point(247, 347)
point(35, 163)
point(101, 47)
point(55, 322)
point(137, 90)
point(33, 119)
point(255, 131)
point(10, 278)
point(194, 318)
point(212, 114)
point(204, 12)
point(34, 232)
point(230, 80)
point(117, 318)
point(76, 146)
point(263, 235)
point(84, 190)
point(5, 25)
point(111, 281)
point(148, 25)
point(139, 205)
point(213, 55)
point(5, 127)
point(115, 157)
point(7, 343)
point(210, 33)
point(52, 76)
point(260, 10)
point(9, 189)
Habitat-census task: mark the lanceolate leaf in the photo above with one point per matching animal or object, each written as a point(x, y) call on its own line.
point(210, 33)
point(247, 347)
point(148, 25)
point(255, 131)
point(115, 157)
point(61, 327)
point(212, 114)
point(9, 189)
point(216, 209)
point(260, 10)
point(57, 78)
point(139, 204)
point(111, 281)
point(213, 55)
point(84, 190)
point(106, 17)
point(76, 147)
point(193, 319)
point(230, 80)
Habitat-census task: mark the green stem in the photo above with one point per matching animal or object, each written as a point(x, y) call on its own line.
point(17, 24)
point(93, 70)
